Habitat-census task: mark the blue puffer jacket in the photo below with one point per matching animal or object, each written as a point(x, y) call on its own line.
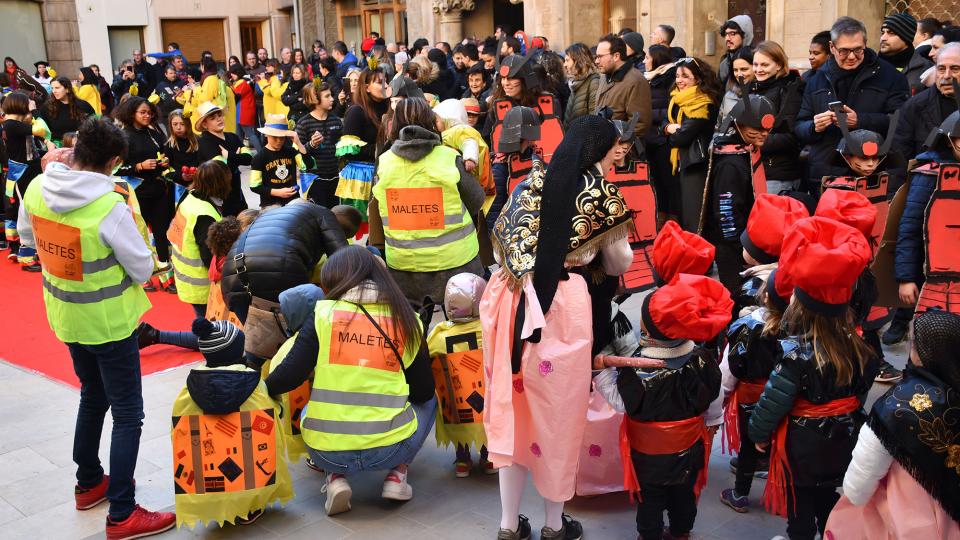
point(908, 263)
point(875, 93)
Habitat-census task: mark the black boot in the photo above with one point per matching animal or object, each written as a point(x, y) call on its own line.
point(896, 332)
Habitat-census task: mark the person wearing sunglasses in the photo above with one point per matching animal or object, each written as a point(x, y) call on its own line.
point(854, 80)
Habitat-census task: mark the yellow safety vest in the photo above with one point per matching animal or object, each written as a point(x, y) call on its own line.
point(359, 395)
point(426, 227)
point(456, 357)
point(228, 465)
point(191, 275)
point(454, 137)
point(89, 297)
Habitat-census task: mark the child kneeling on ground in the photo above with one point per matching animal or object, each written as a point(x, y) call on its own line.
point(225, 421)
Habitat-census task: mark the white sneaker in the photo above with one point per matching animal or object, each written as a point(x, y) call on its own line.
point(395, 487)
point(779, 537)
point(338, 494)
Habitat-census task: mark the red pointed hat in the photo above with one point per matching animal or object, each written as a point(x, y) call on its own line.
point(770, 219)
point(677, 251)
point(823, 259)
point(689, 307)
point(850, 208)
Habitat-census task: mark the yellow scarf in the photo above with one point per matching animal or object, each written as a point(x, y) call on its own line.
point(691, 103)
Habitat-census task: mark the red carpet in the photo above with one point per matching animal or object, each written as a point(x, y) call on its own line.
point(27, 341)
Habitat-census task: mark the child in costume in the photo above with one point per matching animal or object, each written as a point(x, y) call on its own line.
point(665, 442)
point(903, 480)
point(459, 135)
point(676, 251)
point(516, 155)
point(456, 356)
point(225, 422)
point(734, 180)
point(810, 409)
point(753, 348)
point(863, 157)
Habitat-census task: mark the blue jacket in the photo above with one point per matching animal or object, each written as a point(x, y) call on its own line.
point(908, 262)
point(350, 60)
point(875, 93)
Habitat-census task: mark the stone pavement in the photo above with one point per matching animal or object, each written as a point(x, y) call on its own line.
point(37, 474)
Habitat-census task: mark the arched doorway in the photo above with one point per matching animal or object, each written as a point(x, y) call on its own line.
point(508, 14)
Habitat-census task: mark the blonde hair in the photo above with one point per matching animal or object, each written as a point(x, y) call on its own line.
point(192, 144)
point(427, 71)
point(773, 51)
point(835, 340)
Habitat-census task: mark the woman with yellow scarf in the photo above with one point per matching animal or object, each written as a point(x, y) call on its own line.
point(691, 115)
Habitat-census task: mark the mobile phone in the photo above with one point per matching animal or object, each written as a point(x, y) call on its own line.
point(835, 106)
point(130, 68)
point(346, 82)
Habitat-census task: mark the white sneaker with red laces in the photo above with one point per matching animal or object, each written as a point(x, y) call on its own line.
point(338, 494)
point(396, 488)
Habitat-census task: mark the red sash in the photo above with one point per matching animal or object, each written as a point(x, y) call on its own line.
point(746, 393)
point(660, 438)
point(780, 478)
point(759, 173)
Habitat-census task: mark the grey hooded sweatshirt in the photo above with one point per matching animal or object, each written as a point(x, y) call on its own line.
point(746, 25)
point(64, 190)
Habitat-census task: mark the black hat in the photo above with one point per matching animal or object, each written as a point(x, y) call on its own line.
point(39, 63)
point(518, 67)
point(950, 127)
point(404, 87)
point(626, 129)
point(863, 142)
point(520, 124)
point(901, 24)
point(753, 110)
point(634, 40)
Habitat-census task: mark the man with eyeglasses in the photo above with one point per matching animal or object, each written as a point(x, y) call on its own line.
point(857, 82)
point(737, 33)
point(623, 88)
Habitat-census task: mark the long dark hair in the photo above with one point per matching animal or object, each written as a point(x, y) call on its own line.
point(362, 98)
point(126, 112)
point(351, 266)
point(53, 104)
point(836, 342)
point(706, 77)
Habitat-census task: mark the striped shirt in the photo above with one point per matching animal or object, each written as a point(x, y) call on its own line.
point(324, 156)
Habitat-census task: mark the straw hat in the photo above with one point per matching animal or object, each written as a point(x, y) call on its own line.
point(276, 125)
point(203, 111)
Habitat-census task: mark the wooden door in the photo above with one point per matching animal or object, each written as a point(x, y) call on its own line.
point(250, 36)
point(196, 36)
point(756, 10)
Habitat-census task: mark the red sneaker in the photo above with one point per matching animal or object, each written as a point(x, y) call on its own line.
point(87, 498)
point(139, 524)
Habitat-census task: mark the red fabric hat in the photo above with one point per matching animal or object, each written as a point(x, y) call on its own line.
point(367, 44)
point(689, 307)
point(677, 251)
point(823, 259)
point(850, 208)
point(770, 219)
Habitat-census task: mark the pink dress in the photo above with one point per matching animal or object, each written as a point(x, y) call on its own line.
point(537, 417)
point(900, 509)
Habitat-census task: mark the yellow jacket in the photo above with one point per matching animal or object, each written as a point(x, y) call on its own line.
point(210, 91)
point(91, 95)
point(272, 92)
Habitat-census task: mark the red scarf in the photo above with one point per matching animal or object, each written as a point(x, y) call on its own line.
point(746, 393)
point(659, 438)
point(780, 477)
point(759, 174)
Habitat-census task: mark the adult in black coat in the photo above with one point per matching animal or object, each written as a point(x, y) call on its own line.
point(781, 151)
point(280, 250)
point(661, 73)
point(869, 88)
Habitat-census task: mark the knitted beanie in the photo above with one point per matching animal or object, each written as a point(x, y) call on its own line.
point(901, 24)
point(221, 343)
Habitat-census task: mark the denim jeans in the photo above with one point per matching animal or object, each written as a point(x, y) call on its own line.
point(109, 379)
point(382, 458)
point(250, 132)
point(186, 340)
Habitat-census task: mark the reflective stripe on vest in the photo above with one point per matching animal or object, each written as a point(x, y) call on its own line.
point(426, 226)
point(360, 397)
point(191, 275)
point(88, 295)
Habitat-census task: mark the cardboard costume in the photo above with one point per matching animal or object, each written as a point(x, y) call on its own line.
point(547, 107)
point(941, 236)
point(519, 124)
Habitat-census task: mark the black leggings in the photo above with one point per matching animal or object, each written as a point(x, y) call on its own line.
point(678, 500)
point(158, 213)
point(813, 506)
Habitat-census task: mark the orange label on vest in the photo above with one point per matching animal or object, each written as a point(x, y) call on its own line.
point(59, 248)
point(354, 341)
point(217, 307)
point(224, 453)
point(175, 232)
point(415, 209)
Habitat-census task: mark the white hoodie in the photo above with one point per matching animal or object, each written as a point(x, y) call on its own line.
point(64, 189)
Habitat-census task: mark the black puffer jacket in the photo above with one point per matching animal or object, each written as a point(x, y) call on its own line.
point(660, 86)
point(293, 98)
point(684, 389)
point(819, 449)
point(280, 250)
point(752, 355)
point(781, 151)
point(222, 390)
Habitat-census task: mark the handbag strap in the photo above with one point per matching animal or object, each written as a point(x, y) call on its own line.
point(385, 337)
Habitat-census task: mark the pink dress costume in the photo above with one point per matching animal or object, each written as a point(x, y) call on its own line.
point(904, 479)
point(538, 337)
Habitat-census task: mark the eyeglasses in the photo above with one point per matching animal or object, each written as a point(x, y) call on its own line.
point(858, 52)
point(731, 33)
point(599, 56)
